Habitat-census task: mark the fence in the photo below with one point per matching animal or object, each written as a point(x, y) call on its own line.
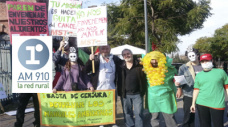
point(6, 72)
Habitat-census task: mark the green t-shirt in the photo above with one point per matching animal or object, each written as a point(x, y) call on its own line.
point(211, 88)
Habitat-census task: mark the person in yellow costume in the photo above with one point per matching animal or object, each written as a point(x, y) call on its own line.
point(161, 88)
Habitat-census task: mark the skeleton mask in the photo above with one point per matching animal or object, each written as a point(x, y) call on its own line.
point(192, 56)
point(66, 45)
point(73, 57)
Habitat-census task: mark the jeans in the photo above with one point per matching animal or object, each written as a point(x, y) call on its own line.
point(189, 118)
point(128, 103)
point(169, 119)
point(22, 103)
point(206, 115)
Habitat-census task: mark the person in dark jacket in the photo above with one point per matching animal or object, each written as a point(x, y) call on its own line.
point(133, 89)
point(23, 100)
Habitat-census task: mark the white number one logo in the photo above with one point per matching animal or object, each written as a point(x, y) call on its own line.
point(32, 54)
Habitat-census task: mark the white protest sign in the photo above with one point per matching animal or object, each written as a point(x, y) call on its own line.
point(2, 92)
point(32, 64)
point(62, 17)
point(92, 27)
point(181, 79)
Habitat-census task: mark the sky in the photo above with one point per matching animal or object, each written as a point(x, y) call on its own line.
point(218, 19)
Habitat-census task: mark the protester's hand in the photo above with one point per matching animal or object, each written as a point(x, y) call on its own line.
point(92, 89)
point(177, 84)
point(54, 91)
point(91, 56)
point(61, 45)
point(179, 93)
point(193, 108)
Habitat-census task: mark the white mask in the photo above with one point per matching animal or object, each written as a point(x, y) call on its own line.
point(73, 57)
point(192, 56)
point(66, 45)
point(207, 66)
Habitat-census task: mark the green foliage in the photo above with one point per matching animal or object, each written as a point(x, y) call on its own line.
point(216, 45)
point(166, 20)
point(203, 44)
point(176, 59)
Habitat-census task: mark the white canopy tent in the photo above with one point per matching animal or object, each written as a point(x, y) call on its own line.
point(118, 50)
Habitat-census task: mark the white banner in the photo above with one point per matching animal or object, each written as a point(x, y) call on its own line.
point(32, 64)
point(62, 17)
point(92, 27)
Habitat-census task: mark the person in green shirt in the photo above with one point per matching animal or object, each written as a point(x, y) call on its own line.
point(209, 93)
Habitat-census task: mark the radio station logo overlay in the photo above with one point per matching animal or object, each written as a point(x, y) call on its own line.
point(33, 54)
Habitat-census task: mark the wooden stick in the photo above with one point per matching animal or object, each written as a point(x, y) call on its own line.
point(63, 46)
point(93, 68)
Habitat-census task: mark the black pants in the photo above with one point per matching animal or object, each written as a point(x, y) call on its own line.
point(189, 118)
point(206, 115)
point(22, 103)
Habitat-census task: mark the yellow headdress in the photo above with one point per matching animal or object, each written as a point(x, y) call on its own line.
point(156, 76)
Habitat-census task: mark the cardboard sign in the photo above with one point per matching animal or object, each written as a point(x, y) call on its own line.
point(27, 19)
point(2, 92)
point(81, 108)
point(32, 64)
point(62, 17)
point(92, 27)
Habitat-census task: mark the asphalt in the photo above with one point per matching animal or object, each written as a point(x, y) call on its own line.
point(8, 121)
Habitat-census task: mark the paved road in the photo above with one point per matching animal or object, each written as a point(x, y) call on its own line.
point(8, 121)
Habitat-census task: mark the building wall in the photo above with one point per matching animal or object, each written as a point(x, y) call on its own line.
point(3, 18)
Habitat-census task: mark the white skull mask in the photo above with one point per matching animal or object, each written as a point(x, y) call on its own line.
point(192, 56)
point(73, 57)
point(66, 45)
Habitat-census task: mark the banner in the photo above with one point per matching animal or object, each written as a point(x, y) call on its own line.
point(62, 17)
point(27, 19)
point(2, 92)
point(81, 108)
point(32, 64)
point(92, 27)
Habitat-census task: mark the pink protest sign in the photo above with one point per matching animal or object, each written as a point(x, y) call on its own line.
point(27, 19)
point(92, 27)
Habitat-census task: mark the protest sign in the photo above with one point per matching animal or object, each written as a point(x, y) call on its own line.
point(2, 92)
point(81, 108)
point(27, 19)
point(32, 64)
point(92, 27)
point(62, 17)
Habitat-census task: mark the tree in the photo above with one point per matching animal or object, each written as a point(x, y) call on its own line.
point(216, 45)
point(219, 46)
point(166, 20)
point(203, 44)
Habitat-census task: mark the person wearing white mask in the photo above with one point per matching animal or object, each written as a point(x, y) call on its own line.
point(72, 77)
point(189, 70)
point(208, 95)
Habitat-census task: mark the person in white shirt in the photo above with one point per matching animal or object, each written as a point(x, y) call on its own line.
point(107, 70)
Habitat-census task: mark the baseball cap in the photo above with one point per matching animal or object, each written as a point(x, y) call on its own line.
point(205, 57)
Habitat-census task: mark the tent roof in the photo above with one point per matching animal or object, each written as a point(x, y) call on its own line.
point(118, 50)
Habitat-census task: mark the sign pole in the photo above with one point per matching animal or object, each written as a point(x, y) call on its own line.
point(93, 68)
